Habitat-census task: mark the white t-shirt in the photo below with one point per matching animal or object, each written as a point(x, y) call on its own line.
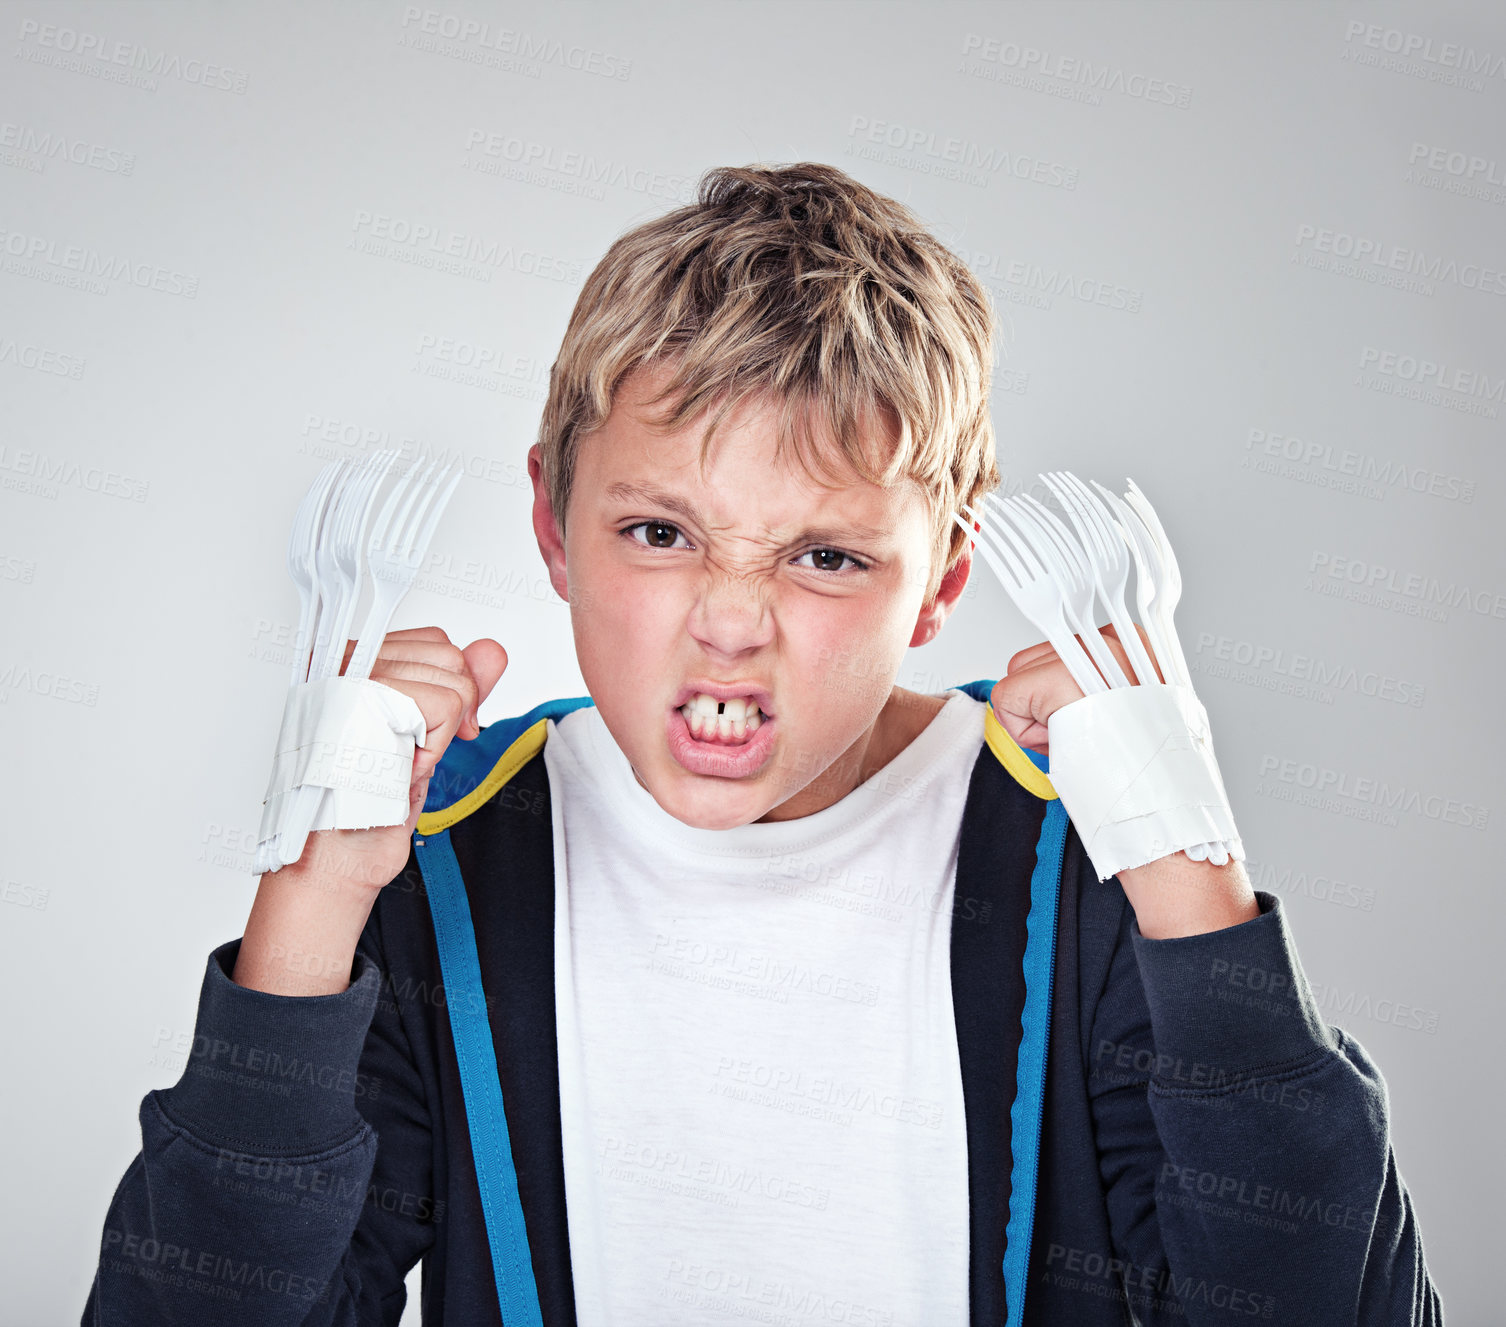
point(760, 1091)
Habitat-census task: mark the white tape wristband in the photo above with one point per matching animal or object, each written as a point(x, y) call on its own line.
point(1135, 770)
point(354, 739)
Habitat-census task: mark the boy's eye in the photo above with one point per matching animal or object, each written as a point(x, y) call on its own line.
point(830, 559)
point(660, 534)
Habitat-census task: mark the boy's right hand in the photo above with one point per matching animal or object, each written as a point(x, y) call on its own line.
point(307, 919)
point(448, 685)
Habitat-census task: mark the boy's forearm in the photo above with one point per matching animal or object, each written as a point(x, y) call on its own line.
point(272, 1107)
point(302, 932)
point(1175, 896)
point(1267, 1162)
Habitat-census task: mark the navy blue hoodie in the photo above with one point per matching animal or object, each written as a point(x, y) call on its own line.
point(1211, 1152)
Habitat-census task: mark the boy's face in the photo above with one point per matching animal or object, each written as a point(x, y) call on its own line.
point(753, 578)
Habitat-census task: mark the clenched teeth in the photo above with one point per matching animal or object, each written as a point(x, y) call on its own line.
point(728, 721)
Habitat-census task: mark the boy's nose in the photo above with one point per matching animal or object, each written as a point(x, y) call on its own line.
point(732, 614)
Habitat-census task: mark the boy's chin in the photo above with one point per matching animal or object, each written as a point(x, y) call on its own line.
point(702, 802)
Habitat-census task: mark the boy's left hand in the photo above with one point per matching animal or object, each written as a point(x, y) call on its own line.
point(1173, 895)
point(1037, 683)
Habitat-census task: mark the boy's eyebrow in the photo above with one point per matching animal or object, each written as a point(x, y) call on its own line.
point(658, 497)
point(653, 497)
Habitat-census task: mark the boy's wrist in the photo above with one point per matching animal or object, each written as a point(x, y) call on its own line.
point(301, 936)
point(1175, 896)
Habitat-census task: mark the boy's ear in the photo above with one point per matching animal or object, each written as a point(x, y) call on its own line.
point(545, 527)
point(934, 613)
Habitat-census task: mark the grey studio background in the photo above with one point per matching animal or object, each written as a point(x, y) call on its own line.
point(1251, 255)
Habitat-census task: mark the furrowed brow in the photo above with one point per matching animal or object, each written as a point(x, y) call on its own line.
point(844, 534)
point(654, 497)
point(667, 501)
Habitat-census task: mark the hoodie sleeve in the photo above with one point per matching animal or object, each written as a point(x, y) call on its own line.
point(1244, 1145)
point(260, 1194)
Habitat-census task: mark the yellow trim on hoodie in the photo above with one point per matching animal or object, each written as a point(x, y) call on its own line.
point(1012, 756)
point(531, 741)
point(523, 749)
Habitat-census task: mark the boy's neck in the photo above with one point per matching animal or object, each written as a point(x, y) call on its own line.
point(906, 714)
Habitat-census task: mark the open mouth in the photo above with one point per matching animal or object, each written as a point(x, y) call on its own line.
point(730, 738)
point(722, 722)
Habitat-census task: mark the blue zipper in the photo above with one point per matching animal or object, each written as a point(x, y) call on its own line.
point(1040, 1107)
point(1039, 980)
point(480, 1086)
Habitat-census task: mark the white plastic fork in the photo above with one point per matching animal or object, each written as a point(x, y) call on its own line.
point(328, 589)
point(338, 583)
point(1170, 592)
point(393, 554)
point(301, 545)
point(1110, 561)
point(1147, 579)
point(312, 527)
point(1034, 591)
point(396, 552)
point(1096, 563)
point(1056, 547)
point(1151, 591)
point(342, 561)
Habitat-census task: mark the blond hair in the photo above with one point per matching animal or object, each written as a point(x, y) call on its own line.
point(799, 285)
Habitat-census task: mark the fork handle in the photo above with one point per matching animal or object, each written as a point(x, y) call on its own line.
point(1155, 629)
point(303, 641)
point(1098, 648)
point(1174, 649)
point(385, 598)
point(1064, 642)
point(1124, 625)
point(1163, 635)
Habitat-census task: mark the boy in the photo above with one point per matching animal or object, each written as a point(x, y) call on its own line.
point(760, 943)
